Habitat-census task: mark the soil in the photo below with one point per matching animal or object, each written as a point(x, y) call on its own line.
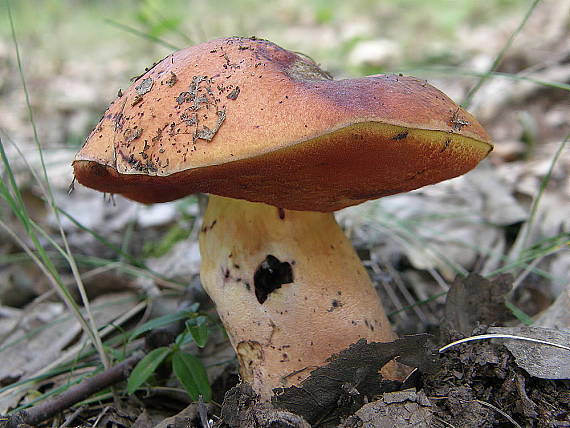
point(474, 385)
point(480, 385)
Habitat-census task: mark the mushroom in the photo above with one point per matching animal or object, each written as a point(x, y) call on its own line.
point(279, 145)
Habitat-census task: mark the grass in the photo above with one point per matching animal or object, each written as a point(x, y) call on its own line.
point(164, 25)
point(469, 97)
point(14, 198)
point(522, 240)
point(155, 23)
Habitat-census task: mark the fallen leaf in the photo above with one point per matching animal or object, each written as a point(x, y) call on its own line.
point(474, 301)
point(539, 360)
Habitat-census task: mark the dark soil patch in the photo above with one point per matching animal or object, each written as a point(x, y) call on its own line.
point(475, 385)
point(480, 385)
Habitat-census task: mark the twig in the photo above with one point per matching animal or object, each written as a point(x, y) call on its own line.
point(496, 409)
point(73, 416)
point(47, 409)
point(105, 410)
point(203, 412)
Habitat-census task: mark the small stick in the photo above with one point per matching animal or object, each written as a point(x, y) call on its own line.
point(203, 413)
point(47, 409)
point(73, 416)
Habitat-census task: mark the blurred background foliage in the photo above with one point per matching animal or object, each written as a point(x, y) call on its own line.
point(80, 39)
point(325, 29)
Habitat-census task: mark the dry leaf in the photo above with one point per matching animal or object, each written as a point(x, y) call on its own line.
point(539, 360)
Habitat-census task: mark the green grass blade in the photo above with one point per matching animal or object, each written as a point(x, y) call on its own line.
point(535, 203)
point(443, 70)
point(142, 34)
point(162, 321)
point(418, 303)
point(192, 375)
point(104, 241)
point(519, 314)
point(89, 326)
point(146, 367)
point(469, 97)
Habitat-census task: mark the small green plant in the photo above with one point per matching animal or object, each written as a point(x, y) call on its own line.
point(188, 369)
point(174, 235)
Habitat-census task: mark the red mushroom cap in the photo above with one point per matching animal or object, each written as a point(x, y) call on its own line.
point(244, 118)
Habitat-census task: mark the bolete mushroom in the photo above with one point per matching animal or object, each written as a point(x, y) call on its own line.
point(281, 145)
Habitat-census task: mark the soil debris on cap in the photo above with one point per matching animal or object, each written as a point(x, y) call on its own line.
point(136, 100)
point(172, 79)
point(145, 86)
point(132, 134)
point(234, 94)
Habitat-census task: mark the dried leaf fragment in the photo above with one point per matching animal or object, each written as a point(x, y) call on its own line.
point(145, 86)
point(539, 360)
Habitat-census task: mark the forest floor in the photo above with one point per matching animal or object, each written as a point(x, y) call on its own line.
point(485, 253)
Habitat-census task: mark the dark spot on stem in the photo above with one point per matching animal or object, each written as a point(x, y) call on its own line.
point(206, 228)
point(270, 275)
point(334, 305)
point(281, 213)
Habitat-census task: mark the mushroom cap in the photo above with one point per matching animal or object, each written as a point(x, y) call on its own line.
point(244, 118)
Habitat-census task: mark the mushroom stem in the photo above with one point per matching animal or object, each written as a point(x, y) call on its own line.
point(289, 288)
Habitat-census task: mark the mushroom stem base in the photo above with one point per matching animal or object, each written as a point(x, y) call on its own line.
point(289, 288)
